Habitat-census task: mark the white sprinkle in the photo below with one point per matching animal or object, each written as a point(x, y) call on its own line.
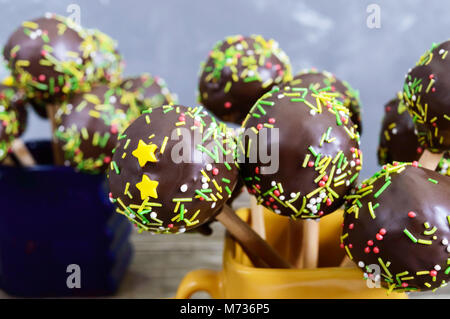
point(293, 195)
point(153, 215)
point(312, 112)
point(352, 164)
point(444, 242)
point(273, 183)
point(313, 201)
point(204, 180)
point(441, 51)
point(437, 267)
point(280, 96)
point(277, 211)
point(183, 188)
point(213, 205)
point(112, 99)
point(208, 167)
point(281, 197)
point(205, 185)
point(361, 264)
point(182, 230)
point(394, 131)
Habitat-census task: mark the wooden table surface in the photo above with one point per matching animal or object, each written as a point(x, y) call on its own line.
point(161, 261)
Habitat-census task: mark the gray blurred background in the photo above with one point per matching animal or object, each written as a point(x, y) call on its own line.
point(170, 38)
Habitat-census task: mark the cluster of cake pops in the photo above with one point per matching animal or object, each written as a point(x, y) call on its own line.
point(173, 168)
point(74, 77)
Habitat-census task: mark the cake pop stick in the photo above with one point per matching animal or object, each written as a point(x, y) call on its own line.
point(165, 178)
point(250, 239)
point(51, 115)
point(430, 160)
point(318, 156)
point(295, 235)
point(257, 218)
point(22, 153)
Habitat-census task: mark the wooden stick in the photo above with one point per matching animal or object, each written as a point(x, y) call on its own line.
point(249, 239)
point(295, 232)
point(257, 218)
point(22, 153)
point(310, 243)
point(57, 156)
point(8, 161)
point(347, 262)
point(430, 160)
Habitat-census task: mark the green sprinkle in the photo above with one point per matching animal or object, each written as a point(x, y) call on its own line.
point(381, 190)
point(411, 236)
point(433, 181)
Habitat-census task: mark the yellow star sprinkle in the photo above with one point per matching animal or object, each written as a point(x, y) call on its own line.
point(145, 153)
point(147, 187)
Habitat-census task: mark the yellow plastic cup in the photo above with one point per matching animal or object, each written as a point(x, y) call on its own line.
point(240, 280)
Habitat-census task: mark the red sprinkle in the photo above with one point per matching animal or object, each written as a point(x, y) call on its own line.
point(310, 164)
point(376, 250)
point(215, 171)
point(170, 225)
point(272, 120)
point(321, 183)
point(379, 237)
point(276, 192)
point(411, 214)
point(405, 284)
point(341, 245)
point(383, 231)
point(351, 226)
point(227, 105)
point(259, 126)
point(367, 250)
point(433, 273)
point(415, 164)
point(257, 170)
point(107, 159)
point(370, 242)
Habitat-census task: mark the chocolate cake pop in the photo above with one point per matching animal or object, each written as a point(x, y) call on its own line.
point(398, 141)
point(13, 118)
point(319, 156)
point(320, 80)
point(238, 71)
point(49, 57)
point(157, 190)
point(425, 92)
point(88, 126)
point(399, 221)
point(151, 91)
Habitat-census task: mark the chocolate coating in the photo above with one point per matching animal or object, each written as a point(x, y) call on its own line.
point(155, 192)
point(88, 126)
point(48, 57)
point(318, 146)
point(238, 71)
point(425, 92)
point(347, 95)
point(398, 141)
point(151, 91)
point(407, 234)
